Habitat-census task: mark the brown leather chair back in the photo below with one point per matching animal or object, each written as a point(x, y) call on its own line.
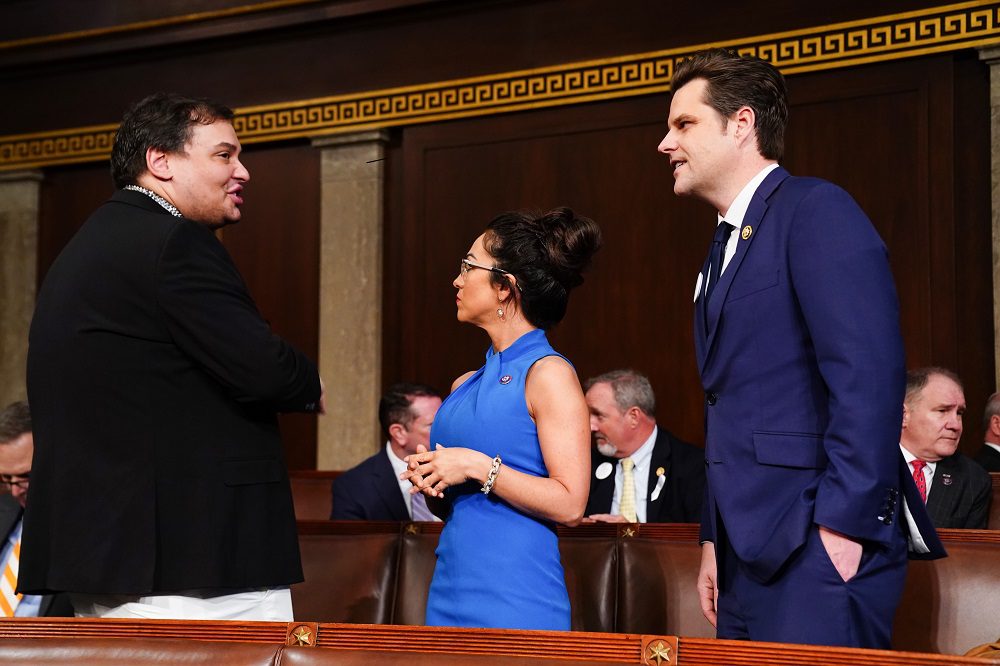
point(350, 576)
point(591, 566)
point(416, 568)
point(312, 493)
point(951, 605)
point(657, 593)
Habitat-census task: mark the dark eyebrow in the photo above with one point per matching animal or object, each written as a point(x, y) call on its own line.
point(227, 146)
point(683, 116)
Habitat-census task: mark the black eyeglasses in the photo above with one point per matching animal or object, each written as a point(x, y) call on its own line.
point(19, 480)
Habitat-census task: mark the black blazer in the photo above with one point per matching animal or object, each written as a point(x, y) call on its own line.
point(52, 605)
point(682, 493)
point(989, 458)
point(960, 494)
point(154, 384)
point(369, 491)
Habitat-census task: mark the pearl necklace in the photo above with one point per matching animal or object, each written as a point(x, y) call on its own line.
point(169, 207)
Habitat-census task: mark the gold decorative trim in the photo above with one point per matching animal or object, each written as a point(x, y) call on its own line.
point(936, 30)
point(139, 26)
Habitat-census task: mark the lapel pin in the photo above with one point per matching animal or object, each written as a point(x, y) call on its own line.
point(747, 232)
point(603, 470)
point(505, 379)
point(946, 479)
point(660, 471)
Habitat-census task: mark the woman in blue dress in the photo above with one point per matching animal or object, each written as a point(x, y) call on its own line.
point(511, 443)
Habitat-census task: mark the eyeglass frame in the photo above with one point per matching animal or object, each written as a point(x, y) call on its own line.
point(467, 264)
point(19, 480)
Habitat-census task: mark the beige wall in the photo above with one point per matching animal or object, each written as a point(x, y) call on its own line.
point(350, 317)
point(18, 260)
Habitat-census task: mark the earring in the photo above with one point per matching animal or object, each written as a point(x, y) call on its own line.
point(500, 312)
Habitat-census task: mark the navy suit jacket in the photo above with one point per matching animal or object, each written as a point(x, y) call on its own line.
point(683, 489)
point(369, 491)
point(801, 359)
point(960, 494)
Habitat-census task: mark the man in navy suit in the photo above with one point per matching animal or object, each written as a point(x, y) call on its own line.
point(373, 490)
point(801, 358)
point(956, 489)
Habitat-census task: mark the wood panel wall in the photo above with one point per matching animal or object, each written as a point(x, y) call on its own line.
point(910, 140)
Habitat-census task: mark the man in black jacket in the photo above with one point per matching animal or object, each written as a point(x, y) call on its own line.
point(158, 485)
point(640, 473)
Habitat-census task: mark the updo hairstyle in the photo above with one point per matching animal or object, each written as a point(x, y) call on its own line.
point(547, 254)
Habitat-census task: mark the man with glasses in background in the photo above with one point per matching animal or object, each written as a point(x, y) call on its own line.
point(16, 449)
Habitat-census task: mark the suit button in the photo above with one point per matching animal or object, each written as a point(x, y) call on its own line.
point(712, 398)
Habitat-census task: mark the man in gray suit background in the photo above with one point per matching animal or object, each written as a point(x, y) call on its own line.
point(957, 490)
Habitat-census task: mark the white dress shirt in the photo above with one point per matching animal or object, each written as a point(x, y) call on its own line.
point(738, 210)
point(640, 476)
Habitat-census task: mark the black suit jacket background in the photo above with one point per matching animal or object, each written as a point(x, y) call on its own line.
point(960, 494)
point(683, 491)
point(154, 384)
point(989, 458)
point(52, 605)
point(369, 491)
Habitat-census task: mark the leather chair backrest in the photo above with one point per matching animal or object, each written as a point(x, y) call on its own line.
point(656, 584)
point(416, 568)
point(348, 577)
point(591, 567)
point(951, 605)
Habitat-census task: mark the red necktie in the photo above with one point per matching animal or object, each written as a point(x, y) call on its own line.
point(918, 478)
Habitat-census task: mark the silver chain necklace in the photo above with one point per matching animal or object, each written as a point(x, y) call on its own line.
point(169, 207)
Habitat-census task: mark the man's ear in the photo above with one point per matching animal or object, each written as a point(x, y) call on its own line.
point(158, 164)
point(995, 424)
point(397, 433)
point(745, 121)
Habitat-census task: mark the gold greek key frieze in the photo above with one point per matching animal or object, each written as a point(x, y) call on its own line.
point(935, 30)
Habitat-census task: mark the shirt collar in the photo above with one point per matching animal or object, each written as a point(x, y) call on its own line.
point(738, 209)
point(398, 465)
point(909, 457)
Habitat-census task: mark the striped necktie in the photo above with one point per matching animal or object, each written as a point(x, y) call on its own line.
point(8, 598)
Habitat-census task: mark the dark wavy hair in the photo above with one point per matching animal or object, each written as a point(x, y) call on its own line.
point(735, 81)
point(547, 254)
point(162, 121)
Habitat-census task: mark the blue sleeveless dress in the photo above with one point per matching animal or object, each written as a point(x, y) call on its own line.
point(496, 567)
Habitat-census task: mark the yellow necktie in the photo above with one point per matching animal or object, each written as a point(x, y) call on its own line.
point(8, 598)
point(627, 507)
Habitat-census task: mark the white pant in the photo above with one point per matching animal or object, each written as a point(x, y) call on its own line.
point(267, 605)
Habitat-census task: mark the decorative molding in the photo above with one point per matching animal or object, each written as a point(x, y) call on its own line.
point(936, 30)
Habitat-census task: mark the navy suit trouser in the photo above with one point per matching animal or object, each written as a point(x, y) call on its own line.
point(807, 601)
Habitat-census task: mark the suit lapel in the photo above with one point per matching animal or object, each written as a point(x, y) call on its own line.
point(754, 218)
point(602, 491)
point(388, 489)
point(946, 488)
point(659, 460)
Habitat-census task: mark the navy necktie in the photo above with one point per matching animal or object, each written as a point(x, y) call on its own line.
point(719, 242)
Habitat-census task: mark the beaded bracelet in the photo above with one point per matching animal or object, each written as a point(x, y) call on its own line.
point(492, 476)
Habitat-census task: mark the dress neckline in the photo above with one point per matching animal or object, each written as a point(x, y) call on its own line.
point(520, 346)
